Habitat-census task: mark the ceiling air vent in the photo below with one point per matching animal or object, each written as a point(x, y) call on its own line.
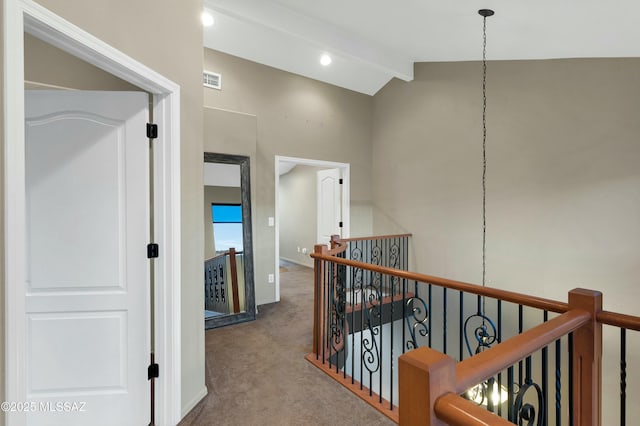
point(212, 80)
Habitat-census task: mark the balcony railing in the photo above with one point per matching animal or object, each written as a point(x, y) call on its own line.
point(221, 294)
point(367, 316)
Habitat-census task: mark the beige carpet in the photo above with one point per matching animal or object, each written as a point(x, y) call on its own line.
point(256, 373)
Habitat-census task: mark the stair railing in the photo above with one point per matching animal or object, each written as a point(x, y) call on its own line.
point(542, 382)
point(221, 283)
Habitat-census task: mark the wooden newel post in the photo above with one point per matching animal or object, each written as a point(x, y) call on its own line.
point(318, 296)
point(587, 360)
point(234, 280)
point(424, 375)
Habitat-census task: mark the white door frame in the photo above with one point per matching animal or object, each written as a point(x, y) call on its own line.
point(344, 167)
point(25, 15)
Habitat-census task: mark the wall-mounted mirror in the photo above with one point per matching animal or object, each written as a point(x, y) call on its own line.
point(228, 254)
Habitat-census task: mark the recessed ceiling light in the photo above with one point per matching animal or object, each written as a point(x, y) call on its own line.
point(325, 59)
point(207, 19)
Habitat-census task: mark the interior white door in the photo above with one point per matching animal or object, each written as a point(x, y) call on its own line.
point(329, 205)
point(87, 290)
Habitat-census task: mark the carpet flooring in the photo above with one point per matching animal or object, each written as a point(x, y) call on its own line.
point(256, 373)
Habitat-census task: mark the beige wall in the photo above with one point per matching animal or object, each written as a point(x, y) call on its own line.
point(2, 347)
point(232, 133)
point(215, 194)
point(168, 40)
point(297, 199)
point(563, 182)
point(296, 117)
point(46, 65)
point(563, 179)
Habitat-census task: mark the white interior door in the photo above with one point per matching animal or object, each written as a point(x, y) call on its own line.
point(87, 290)
point(329, 205)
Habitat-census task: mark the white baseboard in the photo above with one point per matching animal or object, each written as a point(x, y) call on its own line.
point(297, 262)
point(191, 404)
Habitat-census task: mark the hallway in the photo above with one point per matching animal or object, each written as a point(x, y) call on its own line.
point(257, 374)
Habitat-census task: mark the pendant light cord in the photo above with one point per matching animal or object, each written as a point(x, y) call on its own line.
point(484, 156)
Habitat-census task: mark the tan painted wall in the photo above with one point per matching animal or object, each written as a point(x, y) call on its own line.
point(296, 117)
point(298, 213)
point(215, 194)
point(168, 40)
point(232, 133)
point(47, 65)
point(2, 283)
point(563, 179)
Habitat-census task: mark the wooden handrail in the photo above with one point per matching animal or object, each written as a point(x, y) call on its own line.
point(430, 381)
point(619, 320)
point(377, 237)
point(226, 253)
point(508, 296)
point(457, 411)
point(481, 366)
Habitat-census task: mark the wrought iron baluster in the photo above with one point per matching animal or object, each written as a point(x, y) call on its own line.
point(510, 393)
point(485, 333)
point(393, 292)
point(545, 377)
point(520, 327)
point(207, 288)
point(430, 304)
point(570, 379)
point(524, 410)
point(362, 324)
point(416, 318)
point(338, 327)
point(444, 320)
point(461, 326)
point(623, 376)
point(354, 273)
point(223, 298)
point(380, 323)
point(340, 310)
point(499, 337)
point(404, 312)
point(371, 355)
point(216, 285)
point(558, 383)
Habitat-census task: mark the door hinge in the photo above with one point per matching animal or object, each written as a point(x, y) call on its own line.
point(152, 131)
point(340, 224)
point(340, 181)
point(153, 250)
point(153, 372)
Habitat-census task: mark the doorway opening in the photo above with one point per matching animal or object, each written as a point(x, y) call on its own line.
point(312, 179)
point(26, 17)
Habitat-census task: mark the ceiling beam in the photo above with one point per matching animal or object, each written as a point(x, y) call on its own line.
point(318, 34)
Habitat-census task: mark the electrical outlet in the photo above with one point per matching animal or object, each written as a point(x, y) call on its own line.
point(272, 278)
point(304, 250)
point(298, 249)
point(271, 221)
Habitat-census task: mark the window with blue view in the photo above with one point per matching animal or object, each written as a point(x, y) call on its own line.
point(227, 226)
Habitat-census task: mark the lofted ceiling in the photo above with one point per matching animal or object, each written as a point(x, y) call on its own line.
point(372, 41)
